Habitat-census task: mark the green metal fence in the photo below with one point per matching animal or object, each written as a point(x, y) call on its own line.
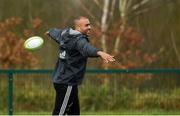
point(19, 88)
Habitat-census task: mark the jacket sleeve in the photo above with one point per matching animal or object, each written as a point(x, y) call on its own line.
point(55, 34)
point(85, 48)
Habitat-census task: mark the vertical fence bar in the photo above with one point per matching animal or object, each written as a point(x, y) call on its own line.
point(10, 93)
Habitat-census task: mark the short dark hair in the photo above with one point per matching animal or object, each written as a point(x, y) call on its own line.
point(78, 18)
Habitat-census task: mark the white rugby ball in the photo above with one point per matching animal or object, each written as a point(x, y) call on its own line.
point(33, 43)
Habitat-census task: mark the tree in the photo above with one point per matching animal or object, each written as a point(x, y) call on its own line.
point(12, 53)
point(123, 40)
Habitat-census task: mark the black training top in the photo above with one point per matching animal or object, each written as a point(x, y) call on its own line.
point(74, 50)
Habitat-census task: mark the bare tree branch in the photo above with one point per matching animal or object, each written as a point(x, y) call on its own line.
point(89, 13)
point(98, 4)
point(175, 46)
point(112, 9)
point(146, 10)
point(129, 4)
point(136, 6)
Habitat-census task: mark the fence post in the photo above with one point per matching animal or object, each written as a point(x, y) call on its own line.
point(10, 93)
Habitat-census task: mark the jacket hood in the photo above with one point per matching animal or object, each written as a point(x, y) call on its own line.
point(70, 31)
point(69, 34)
point(73, 32)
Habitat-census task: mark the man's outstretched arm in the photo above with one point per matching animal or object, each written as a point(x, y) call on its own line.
point(87, 50)
point(54, 34)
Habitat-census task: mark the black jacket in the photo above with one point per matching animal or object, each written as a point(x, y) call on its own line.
point(74, 50)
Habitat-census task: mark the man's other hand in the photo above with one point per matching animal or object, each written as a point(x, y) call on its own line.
point(106, 57)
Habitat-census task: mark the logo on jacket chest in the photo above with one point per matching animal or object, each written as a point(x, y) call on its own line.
point(62, 55)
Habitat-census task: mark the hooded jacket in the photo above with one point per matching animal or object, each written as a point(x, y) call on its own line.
point(74, 49)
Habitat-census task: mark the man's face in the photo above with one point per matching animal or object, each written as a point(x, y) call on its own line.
point(84, 26)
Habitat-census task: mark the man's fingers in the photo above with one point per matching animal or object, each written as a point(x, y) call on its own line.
point(111, 58)
point(108, 58)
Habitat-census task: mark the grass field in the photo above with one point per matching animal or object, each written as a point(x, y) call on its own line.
point(122, 112)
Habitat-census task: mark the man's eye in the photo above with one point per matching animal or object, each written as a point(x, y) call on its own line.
point(87, 24)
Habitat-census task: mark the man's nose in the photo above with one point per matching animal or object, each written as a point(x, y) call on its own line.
point(89, 27)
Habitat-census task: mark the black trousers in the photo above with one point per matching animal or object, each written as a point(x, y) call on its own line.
point(66, 100)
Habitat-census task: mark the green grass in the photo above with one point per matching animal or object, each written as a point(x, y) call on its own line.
point(121, 112)
point(133, 112)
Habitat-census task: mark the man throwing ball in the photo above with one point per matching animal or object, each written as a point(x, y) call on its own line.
point(69, 71)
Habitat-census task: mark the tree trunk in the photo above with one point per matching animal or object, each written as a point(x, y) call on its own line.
point(30, 11)
point(104, 25)
point(175, 47)
point(123, 7)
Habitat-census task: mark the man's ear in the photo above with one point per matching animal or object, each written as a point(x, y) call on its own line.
point(79, 28)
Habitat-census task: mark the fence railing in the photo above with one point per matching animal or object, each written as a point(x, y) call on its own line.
point(10, 74)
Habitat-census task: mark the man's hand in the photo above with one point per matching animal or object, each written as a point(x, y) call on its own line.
point(46, 33)
point(106, 57)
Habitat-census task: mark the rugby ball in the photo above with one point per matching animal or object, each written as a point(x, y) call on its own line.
point(33, 43)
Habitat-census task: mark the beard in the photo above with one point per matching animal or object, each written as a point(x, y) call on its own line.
point(88, 32)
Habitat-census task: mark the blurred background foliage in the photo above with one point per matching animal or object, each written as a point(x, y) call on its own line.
point(140, 33)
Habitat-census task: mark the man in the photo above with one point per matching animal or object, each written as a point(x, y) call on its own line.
point(74, 49)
